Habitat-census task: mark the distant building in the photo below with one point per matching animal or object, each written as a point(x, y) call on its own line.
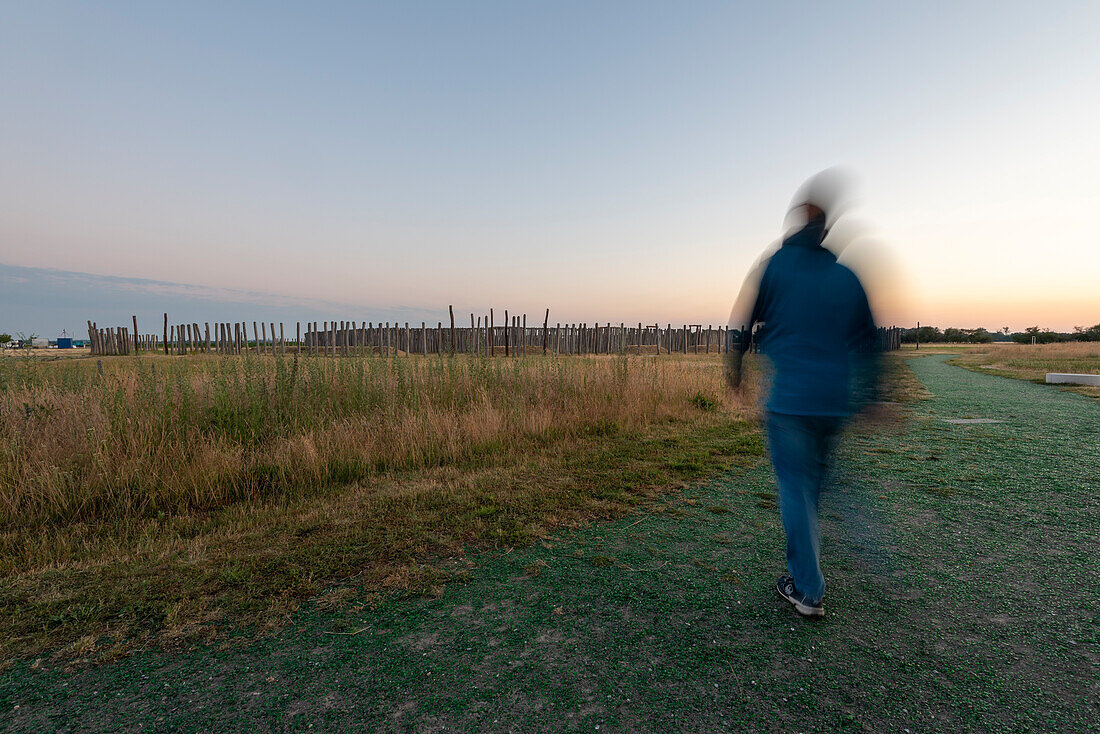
point(64, 342)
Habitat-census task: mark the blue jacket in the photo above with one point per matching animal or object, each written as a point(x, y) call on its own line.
point(817, 329)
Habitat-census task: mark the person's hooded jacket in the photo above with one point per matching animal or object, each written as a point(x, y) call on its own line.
point(817, 329)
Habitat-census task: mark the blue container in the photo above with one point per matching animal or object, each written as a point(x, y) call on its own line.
point(64, 342)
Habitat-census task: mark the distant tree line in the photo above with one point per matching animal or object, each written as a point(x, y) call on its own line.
point(933, 335)
point(1046, 336)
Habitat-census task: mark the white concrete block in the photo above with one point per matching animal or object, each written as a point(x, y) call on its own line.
point(1063, 378)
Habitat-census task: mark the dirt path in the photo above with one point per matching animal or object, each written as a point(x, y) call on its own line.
point(961, 562)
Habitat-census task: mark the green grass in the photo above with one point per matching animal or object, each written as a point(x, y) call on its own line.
point(1033, 361)
point(960, 568)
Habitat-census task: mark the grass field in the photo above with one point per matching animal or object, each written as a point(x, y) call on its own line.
point(960, 567)
point(1033, 361)
point(170, 497)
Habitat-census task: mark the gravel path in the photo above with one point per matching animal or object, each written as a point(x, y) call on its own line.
point(962, 572)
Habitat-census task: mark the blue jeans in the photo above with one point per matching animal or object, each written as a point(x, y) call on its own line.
point(800, 447)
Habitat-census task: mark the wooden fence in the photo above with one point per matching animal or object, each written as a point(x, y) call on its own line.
point(484, 336)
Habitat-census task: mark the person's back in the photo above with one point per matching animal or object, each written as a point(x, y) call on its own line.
point(817, 326)
point(818, 333)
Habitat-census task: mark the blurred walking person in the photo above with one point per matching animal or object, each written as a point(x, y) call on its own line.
point(817, 331)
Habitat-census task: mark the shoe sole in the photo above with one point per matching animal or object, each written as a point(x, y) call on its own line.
point(803, 609)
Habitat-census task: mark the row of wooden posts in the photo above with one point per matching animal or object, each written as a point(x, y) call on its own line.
point(483, 337)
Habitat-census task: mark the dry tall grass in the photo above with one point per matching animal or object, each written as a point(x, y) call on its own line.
point(140, 438)
point(157, 493)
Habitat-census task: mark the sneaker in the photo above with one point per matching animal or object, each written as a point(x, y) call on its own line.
point(802, 605)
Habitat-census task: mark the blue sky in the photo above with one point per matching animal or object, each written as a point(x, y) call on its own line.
point(614, 161)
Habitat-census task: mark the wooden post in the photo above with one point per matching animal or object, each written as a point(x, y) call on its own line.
point(282, 340)
point(545, 329)
point(506, 330)
point(491, 335)
point(166, 334)
point(451, 311)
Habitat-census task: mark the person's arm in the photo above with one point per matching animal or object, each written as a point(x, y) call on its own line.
point(866, 364)
point(742, 317)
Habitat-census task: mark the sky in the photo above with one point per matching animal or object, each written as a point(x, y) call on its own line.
point(610, 161)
